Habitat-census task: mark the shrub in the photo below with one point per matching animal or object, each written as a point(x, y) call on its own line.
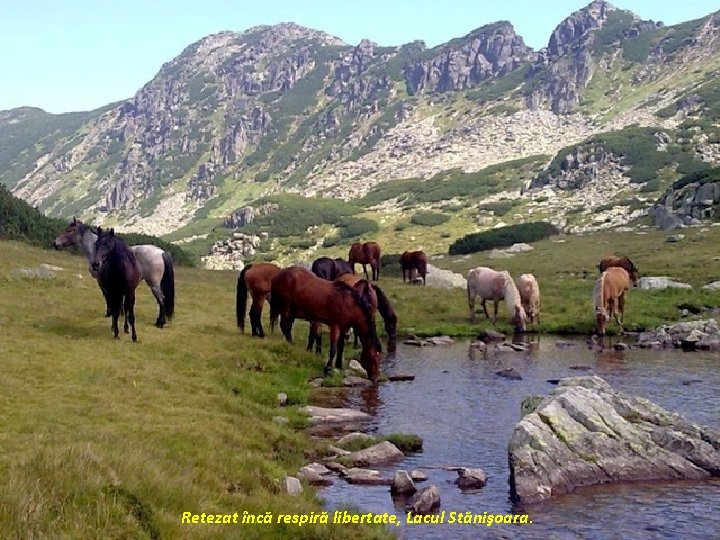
point(429, 219)
point(502, 237)
point(351, 227)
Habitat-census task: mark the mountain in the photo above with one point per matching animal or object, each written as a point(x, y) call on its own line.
point(244, 117)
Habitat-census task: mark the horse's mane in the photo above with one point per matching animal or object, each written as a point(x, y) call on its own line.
point(364, 303)
point(119, 249)
point(598, 295)
point(512, 295)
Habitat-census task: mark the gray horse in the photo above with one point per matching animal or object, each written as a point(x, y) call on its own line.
point(154, 264)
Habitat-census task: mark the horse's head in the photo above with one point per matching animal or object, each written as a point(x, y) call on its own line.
point(370, 360)
point(634, 274)
point(518, 319)
point(71, 236)
point(104, 244)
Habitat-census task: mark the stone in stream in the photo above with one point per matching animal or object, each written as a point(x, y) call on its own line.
point(400, 377)
point(509, 373)
point(418, 476)
point(319, 415)
point(354, 365)
point(425, 500)
point(313, 477)
point(377, 454)
point(471, 478)
point(402, 483)
point(367, 477)
point(355, 381)
point(587, 433)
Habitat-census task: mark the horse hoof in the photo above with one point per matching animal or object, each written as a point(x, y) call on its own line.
point(159, 324)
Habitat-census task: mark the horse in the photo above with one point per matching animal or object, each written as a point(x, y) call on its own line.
point(118, 273)
point(620, 261)
point(298, 293)
point(331, 269)
point(256, 278)
point(367, 253)
point(609, 297)
point(411, 261)
point(155, 264)
point(530, 296)
point(489, 284)
point(378, 302)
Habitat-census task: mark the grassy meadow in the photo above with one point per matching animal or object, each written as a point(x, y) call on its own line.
point(105, 438)
point(110, 439)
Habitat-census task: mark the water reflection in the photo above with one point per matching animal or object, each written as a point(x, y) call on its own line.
point(465, 414)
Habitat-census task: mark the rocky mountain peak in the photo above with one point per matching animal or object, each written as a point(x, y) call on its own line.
point(575, 28)
point(485, 53)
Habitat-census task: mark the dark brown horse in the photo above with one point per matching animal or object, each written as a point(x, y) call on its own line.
point(298, 293)
point(331, 269)
point(412, 261)
point(256, 278)
point(620, 261)
point(378, 302)
point(119, 275)
point(367, 253)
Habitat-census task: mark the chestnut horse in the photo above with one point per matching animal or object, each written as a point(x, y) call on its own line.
point(411, 261)
point(620, 261)
point(609, 297)
point(256, 278)
point(530, 296)
point(298, 293)
point(489, 284)
point(378, 302)
point(118, 274)
point(367, 253)
point(331, 269)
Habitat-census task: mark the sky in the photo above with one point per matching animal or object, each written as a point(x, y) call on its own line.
point(73, 55)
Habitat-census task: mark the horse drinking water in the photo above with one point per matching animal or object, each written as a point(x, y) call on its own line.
point(256, 278)
point(296, 292)
point(530, 296)
point(609, 297)
point(489, 284)
point(118, 274)
point(155, 265)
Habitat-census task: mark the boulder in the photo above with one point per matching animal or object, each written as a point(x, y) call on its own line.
point(471, 478)
point(377, 454)
point(418, 476)
point(402, 483)
point(701, 334)
point(325, 415)
point(366, 477)
point(291, 485)
point(652, 283)
point(425, 500)
point(282, 399)
point(586, 433)
point(354, 436)
point(353, 381)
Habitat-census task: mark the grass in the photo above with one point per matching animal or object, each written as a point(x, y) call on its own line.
point(110, 439)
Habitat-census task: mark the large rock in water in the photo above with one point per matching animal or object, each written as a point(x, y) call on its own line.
point(586, 433)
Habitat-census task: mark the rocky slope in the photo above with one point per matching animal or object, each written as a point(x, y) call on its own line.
point(287, 108)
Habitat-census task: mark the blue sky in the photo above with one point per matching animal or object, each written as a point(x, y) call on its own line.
point(68, 55)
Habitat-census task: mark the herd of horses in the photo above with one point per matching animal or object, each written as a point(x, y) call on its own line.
point(523, 299)
point(330, 293)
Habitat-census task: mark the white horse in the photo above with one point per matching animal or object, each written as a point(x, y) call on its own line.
point(489, 284)
point(530, 296)
point(155, 265)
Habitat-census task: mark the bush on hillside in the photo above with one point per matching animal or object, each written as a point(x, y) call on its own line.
point(353, 227)
point(429, 219)
point(502, 237)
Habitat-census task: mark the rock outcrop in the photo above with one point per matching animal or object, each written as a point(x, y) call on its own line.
point(703, 334)
point(586, 433)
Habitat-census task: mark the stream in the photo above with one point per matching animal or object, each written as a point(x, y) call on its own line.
point(465, 415)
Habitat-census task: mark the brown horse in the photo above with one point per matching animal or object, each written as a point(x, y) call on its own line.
point(378, 302)
point(412, 261)
point(256, 278)
point(367, 253)
point(118, 274)
point(609, 297)
point(620, 261)
point(298, 293)
point(331, 269)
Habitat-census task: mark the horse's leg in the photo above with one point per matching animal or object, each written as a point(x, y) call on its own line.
point(160, 298)
point(340, 348)
point(403, 274)
point(315, 337)
point(286, 322)
point(484, 306)
point(130, 312)
point(334, 331)
point(621, 309)
point(256, 316)
point(471, 306)
point(495, 310)
point(115, 313)
point(366, 272)
point(377, 270)
point(123, 308)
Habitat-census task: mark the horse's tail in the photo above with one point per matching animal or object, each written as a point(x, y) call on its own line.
point(389, 317)
point(241, 298)
point(599, 295)
point(167, 285)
